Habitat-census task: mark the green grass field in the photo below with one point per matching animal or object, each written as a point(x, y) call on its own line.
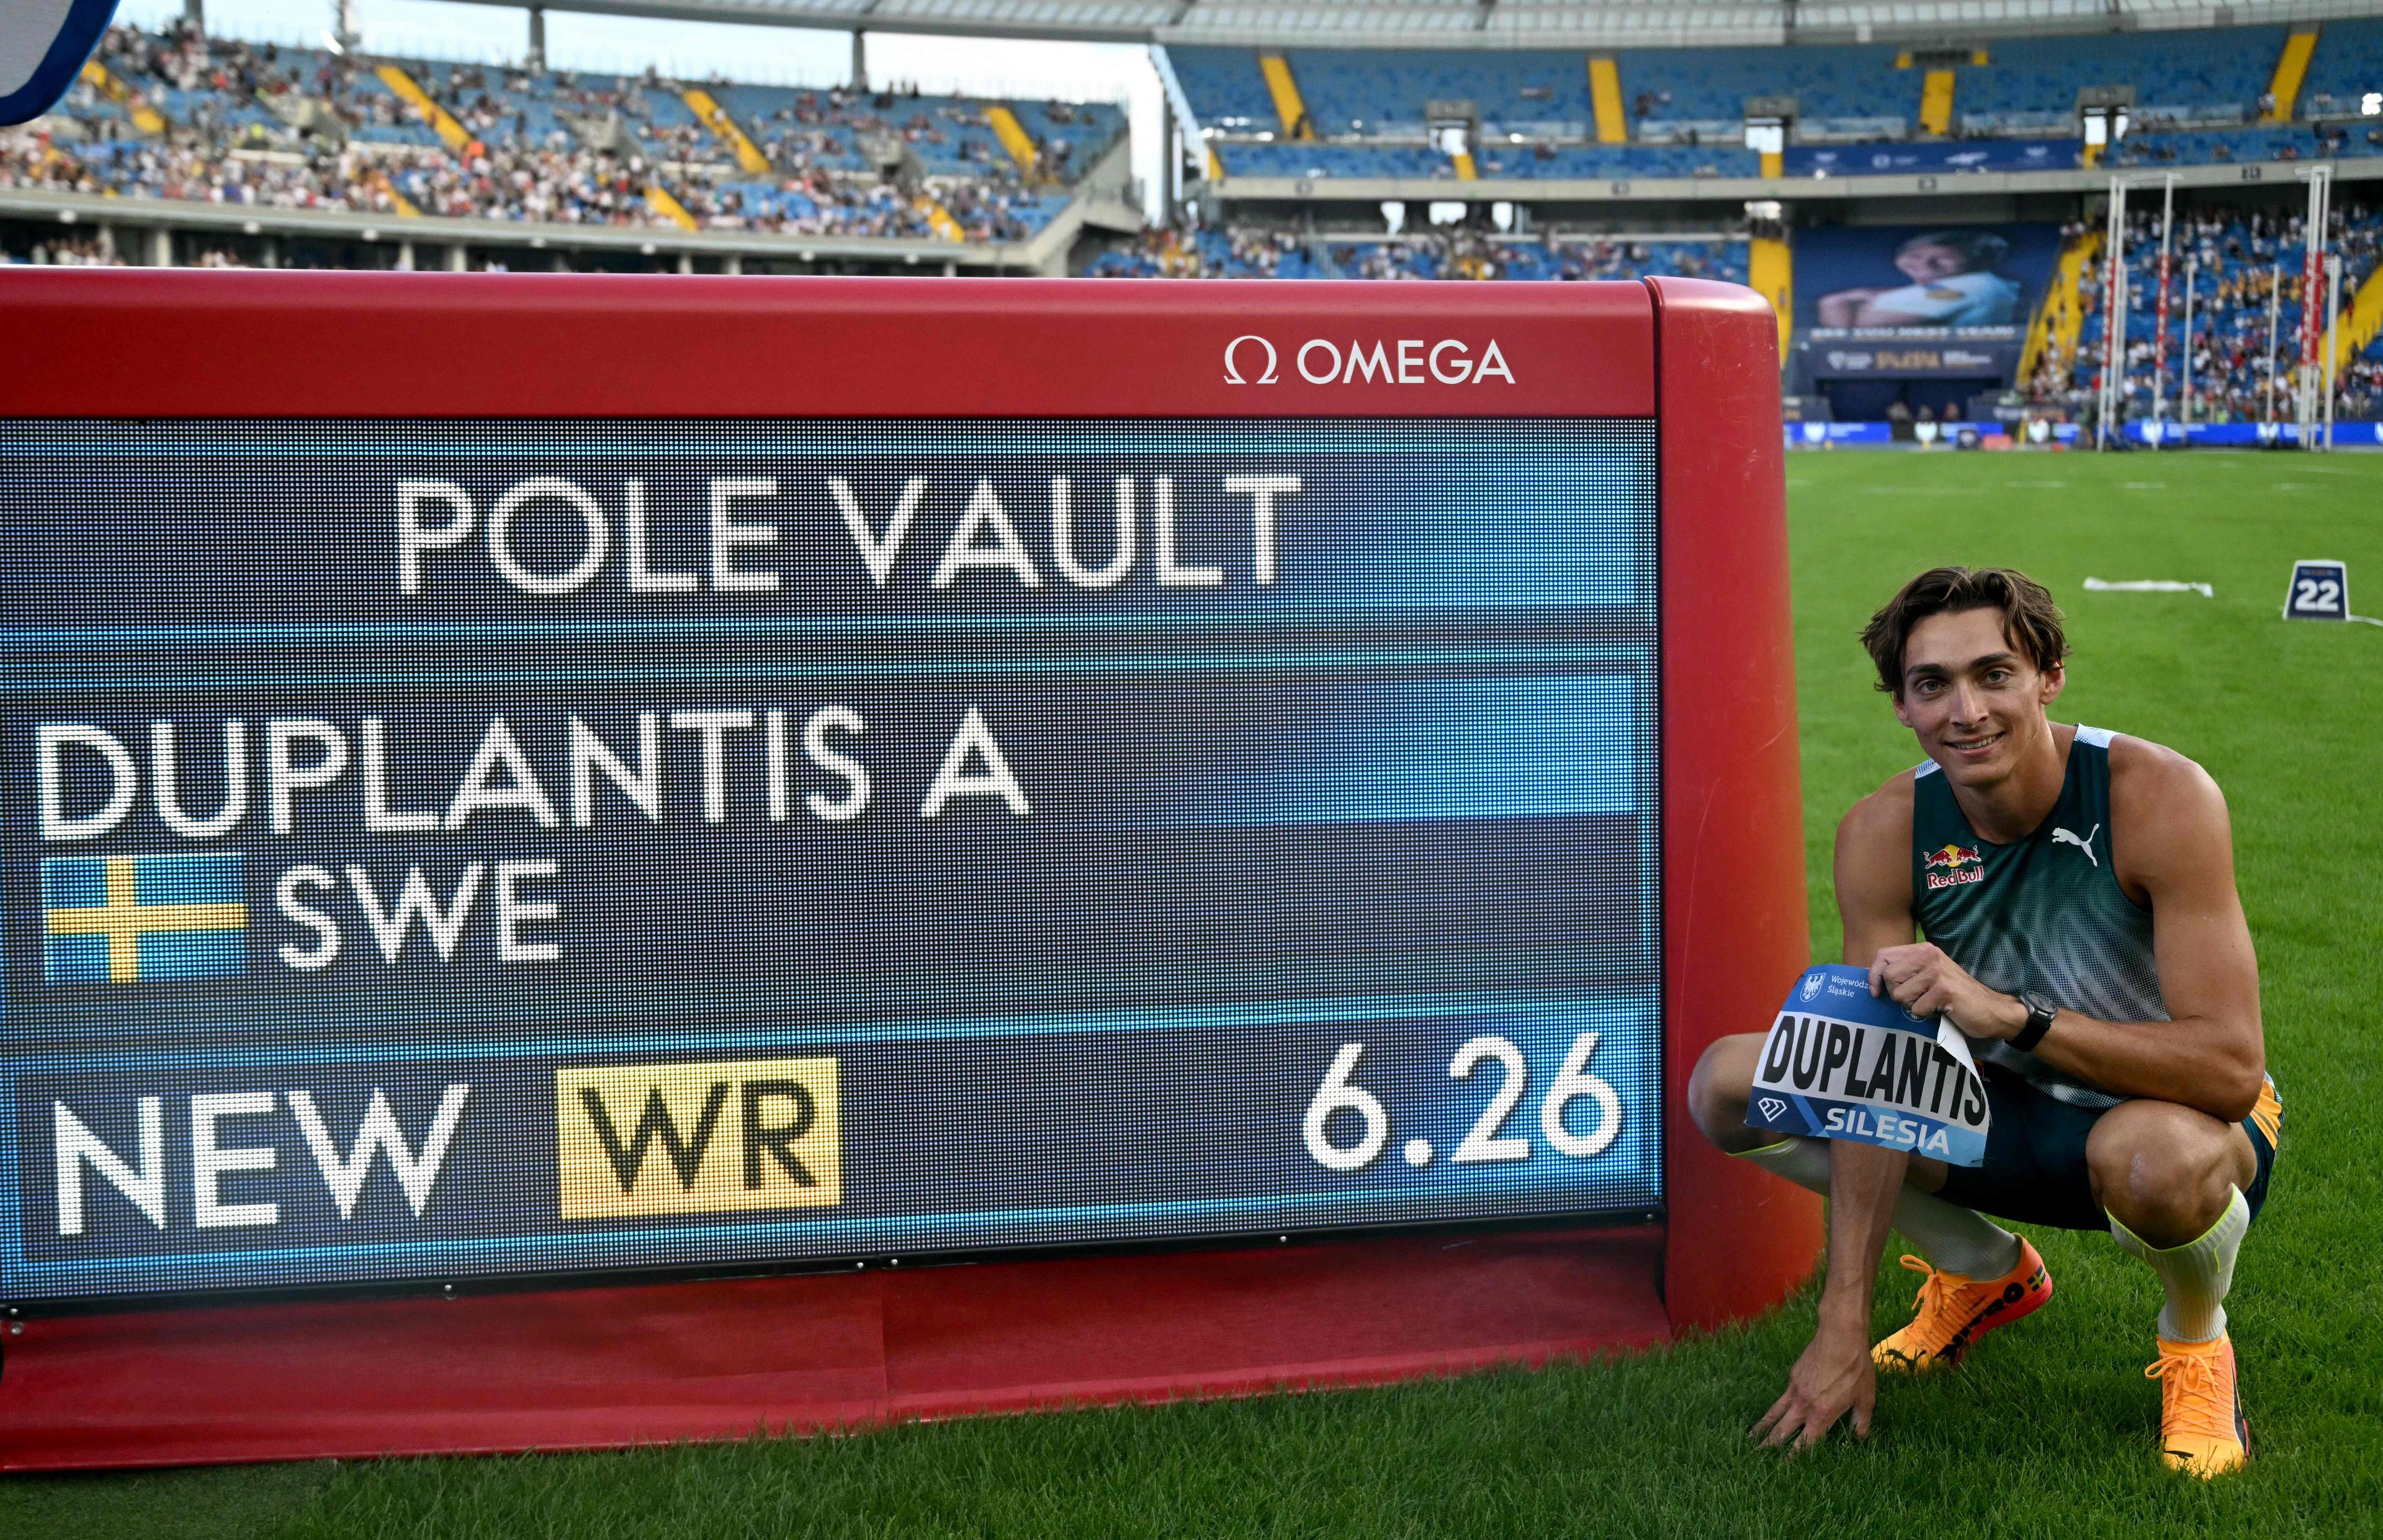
point(2047, 1431)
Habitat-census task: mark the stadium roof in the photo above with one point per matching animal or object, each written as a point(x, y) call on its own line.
point(1473, 23)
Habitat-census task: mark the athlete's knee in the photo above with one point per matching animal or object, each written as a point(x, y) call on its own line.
point(2163, 1170)
point(1720, 1089)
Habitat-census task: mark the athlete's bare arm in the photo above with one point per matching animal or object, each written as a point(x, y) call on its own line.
point(1835, 1374)
point(2173, 850)
point(1841, 308)
point(2173, 847)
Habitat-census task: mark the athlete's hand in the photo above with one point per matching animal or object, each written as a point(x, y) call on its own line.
point(1924, 981)
point(1834, 1376)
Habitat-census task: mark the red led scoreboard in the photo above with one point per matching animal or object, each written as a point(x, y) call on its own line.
point(627, 859)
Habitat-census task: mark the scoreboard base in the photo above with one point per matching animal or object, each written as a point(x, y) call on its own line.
point(606, 1368)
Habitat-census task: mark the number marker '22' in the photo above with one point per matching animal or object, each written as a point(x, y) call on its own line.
point(2319, 591)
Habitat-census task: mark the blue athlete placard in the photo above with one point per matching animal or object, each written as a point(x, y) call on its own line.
point(43, 46)
point(1842, 1063)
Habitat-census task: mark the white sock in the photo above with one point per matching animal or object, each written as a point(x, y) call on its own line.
point(2196, 1275)
point(1951, 1238)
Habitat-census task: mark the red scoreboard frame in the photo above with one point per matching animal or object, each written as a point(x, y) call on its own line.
point(630, 1363)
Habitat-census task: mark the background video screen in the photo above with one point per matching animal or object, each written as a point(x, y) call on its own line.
point(442, 850)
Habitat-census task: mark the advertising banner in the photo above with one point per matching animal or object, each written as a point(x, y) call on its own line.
point(1912, 280)
point(1922, 156)
point(1816, 358)
point(483, 848)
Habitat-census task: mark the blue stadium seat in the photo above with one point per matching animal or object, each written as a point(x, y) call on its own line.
point(1225, 87)
point(1365, 90)
point(2219, 68)
point(2346, 68)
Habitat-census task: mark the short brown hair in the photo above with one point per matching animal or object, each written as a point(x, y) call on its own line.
point(2031, 620)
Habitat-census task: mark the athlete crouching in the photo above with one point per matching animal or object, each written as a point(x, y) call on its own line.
point(2076, 890)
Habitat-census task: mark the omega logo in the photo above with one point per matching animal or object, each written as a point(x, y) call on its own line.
point(1233, 374)
point(1406, 361)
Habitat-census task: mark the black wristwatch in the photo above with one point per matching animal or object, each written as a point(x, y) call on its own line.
point(2040, 1013)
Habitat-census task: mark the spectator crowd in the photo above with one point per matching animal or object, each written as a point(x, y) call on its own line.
point(2243, 355)
point(262, 125)
point(1234, 253)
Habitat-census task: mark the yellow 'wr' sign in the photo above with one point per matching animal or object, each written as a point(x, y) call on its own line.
point(640, 1139)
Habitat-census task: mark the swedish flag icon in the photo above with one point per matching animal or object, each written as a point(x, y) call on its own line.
point(128, 918)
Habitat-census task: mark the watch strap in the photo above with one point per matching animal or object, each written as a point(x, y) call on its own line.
point(2040, 1013)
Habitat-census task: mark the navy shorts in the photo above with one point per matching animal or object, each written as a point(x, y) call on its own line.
point(2035, 1170)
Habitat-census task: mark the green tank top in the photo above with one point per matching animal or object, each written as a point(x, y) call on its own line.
point(2045, 913)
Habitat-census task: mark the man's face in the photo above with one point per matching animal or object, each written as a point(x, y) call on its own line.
point(1926, 264)
point(1974, 700)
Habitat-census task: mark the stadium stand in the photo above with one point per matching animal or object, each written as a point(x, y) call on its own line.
point(2218, 75)
point(1709, 86)
point(1212, 253)
point(184, 116)
point(2240, 259)
point(1682, 112)
point(2345, 68)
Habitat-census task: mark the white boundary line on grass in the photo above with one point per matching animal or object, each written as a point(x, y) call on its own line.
point(2149, 585)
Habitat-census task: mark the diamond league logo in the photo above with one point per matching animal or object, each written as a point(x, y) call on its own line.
point(1773, 1108)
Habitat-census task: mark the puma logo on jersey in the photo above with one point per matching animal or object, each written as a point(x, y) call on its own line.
point(2062, 836)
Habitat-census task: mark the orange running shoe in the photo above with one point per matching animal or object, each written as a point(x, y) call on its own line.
point(2202, 1428)
point(1956, 1310)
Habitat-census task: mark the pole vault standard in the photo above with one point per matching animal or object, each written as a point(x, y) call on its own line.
point(2114, 316)
point(2159, 332)
point(2332, 337)
point(2274, 295)
point(2184, 408)
point(2305, 406)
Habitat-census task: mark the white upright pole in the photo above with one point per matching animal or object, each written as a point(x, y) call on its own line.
point(2184, 409)
point(2332, 319)
point(2113, 313)
point(2159, 332)
point(2320, 184)
point(2275, 299)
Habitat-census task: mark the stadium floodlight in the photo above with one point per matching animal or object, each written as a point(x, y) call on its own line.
point(907, 772)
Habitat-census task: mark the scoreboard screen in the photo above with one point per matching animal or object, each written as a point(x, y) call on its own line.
point(467, 848)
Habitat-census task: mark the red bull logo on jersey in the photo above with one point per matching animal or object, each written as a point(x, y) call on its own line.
point(1953, 864)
